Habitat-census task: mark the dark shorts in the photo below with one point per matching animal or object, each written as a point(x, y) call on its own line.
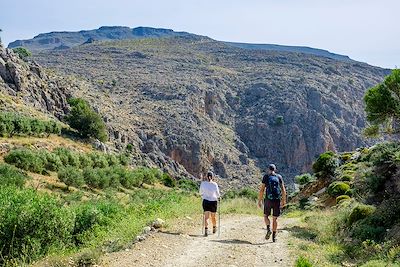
point(274, 205)
point(210, 205)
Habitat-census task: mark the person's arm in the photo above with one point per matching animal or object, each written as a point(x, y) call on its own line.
point(261, 195)
point(218, 193)
point(283, 189)
point(201, 189)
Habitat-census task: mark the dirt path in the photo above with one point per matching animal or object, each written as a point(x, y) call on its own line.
point(241, 243)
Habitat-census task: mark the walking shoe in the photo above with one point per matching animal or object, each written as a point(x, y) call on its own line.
point(205, 232)
point(214, 229)
point(274, 237)
point(268, 235)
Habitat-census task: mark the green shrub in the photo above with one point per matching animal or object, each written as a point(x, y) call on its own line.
point(67, 156)
point(244, 192)
point(359, 212)
point(364, 230)
point(32, 223)
point(188, 185)
point(71, 176)
point(150, 175)
point(129, 147)
point(85, 161)
point(85, 120)
point(22, 52)
point(124, 159)
point(112, 160)
point(304, 178)
point(52, 161)
point(16, 124)
point(167, 180)
point(25, 159)
point(6, 124)
point(342, 198)
point(375, 182)
point(338, 188)
point(96, 178)
point(346, 156)
point(346, 178)
point(279, 120)
point(94, 213)
point(9, 175)
point(99, 160)
point(303, 262)
point(129, 178)
point(325, 164)
point(22, 125)
point(37, 126)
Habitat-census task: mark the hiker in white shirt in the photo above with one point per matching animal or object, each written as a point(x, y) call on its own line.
point(209, 192)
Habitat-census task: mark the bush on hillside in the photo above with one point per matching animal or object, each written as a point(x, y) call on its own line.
point(22, 52)
point(304, 178)
point(325, 165)
point(67, 156)
point(188, 185)
point(85, 160)
point(32, 223)
point(99, 160)
point(359, 212)
point(85, 120)
point(71, 176)
point(338, 188)
point(15, 124)
point(150, 175)
point(94, 213)
point(25, 159)
point(346, 178)
point(342, 198)
point(11, 176)
point(52, 162)
point(167, 180)
point(244, 192)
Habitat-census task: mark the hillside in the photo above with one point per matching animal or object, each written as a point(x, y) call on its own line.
point(193, 103)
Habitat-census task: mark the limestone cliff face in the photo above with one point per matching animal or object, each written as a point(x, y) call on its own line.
point(26, 79)
point(190, 104)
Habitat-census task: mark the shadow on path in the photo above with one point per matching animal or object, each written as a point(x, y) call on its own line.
point(237, 241)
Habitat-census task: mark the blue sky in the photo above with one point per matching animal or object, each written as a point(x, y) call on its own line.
point(365, 30)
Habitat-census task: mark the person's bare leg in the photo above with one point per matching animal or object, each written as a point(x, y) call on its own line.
point(206, 216)
point(267, 221)
point(274, 227)
point(214, 222)
point(274, 223)
point(267, 224)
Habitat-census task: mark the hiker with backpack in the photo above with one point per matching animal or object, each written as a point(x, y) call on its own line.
point(209, 192)
point(275, 199)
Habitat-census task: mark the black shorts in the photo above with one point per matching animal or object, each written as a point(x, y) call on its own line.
point(210, 205)
point(274, 205)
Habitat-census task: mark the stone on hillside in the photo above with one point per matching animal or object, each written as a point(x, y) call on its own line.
point(158, 223)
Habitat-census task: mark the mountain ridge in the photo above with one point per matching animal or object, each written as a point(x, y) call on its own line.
point(68, 39)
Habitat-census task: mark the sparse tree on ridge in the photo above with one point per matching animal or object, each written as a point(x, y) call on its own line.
point(383, 106)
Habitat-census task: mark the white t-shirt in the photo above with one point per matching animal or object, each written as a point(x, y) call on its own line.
point(209, 191)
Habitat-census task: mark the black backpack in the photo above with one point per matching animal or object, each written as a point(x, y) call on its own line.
point(274, 188)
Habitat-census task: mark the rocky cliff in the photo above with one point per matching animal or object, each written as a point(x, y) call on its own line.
point(31, 85)
point(189, 103)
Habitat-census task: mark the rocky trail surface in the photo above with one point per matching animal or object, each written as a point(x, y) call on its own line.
point(241, 243)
